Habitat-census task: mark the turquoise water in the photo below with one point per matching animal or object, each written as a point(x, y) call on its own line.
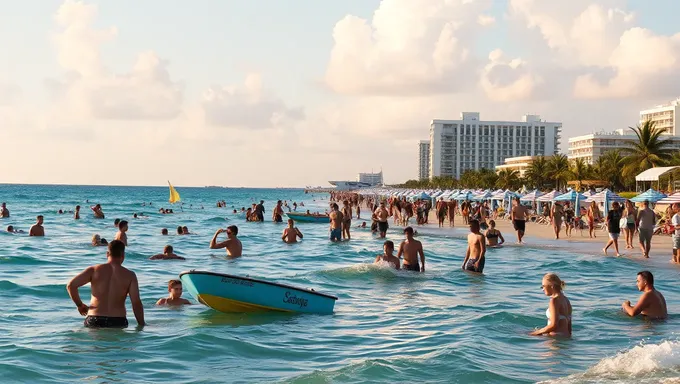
point(443, 326)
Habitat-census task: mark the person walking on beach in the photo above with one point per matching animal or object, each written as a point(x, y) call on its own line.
point(556, 218)
point(4, 212)
point(451, 207)
point(97, 210)
point(335, 218)
point(388, 255)
point(613, 218)
point(411, 249)
point(675, 221)
point(559, 308)
point(475, 255)
point(630, 214)
point(277, 215)
point(440, 208)
point(259, 211)
point(518, 215)
point(646, 219)
point(168, 254)
point(382, 214)
point(291, 233)
point(346, 219)
point(232, 244)
point(37, 229)
point(111, 284)
point(651, 304)
point(593, 214)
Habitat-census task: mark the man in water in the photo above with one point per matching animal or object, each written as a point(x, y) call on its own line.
point(121, 235)
point(166, 255)
point(76, 214)
point(411, 249)
point(4, 212)
point(336, 223)
point(518, 215)
point(382, 214)
point(346, 219)
point(388, 255)
point(116, 223)
point(97, 210)
point(175, 297)
point(277, 215)
point(37, 228)
point(476, 250)
point(647, 220)
point(675, 221)
point(259, 211)
point(232, 244)
point(291, 233)
point(651, 304)
point(11, 229)
point(164, 231)
point(111, 283)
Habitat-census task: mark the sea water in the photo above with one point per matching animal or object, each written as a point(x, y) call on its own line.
point(444, 325)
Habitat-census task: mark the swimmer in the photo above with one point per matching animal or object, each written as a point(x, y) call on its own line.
point(98, 241)
point(60, 212)
point(180, 231)
point(134, 216)
point(97, 210)
point(388, 256)
point(164, 231)
point(651, 304)
point(116, 223)
point(37, 229)
point(166, 255)
point(559, 308)
point(411, 249)
point(492, 235)
point(476, 250)
point(11, 229)
point(111, 284)
point(185, 230)
point(232, 244)
point(175, 297)
point(121, 235)
point(76, 214)
point(291, 233)
point(4, 212)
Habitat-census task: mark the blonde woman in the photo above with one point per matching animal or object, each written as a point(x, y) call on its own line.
point(559, 308)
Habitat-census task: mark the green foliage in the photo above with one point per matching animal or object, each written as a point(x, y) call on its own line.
point(650, 150)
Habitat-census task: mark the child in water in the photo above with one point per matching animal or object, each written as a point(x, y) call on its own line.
point(175, 297)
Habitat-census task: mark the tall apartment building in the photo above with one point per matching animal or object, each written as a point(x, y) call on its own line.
point(665, 116)
point(371, 178)
point(423, 159)
point(470, 143)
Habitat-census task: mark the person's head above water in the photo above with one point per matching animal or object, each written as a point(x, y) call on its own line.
point(474, 226)
point(644, 279)
point(168, 249)
point(291, 223)
point(175, 288)
point(116, 222)
point(10, 228)
point(179, 230)
point(408, 231)
point(116, 251)
point(388, 247)
point(164, 231)
point(96, 239)
point(552, 284)
point(232, 230)
point(39, 219)
point(123, 226)
point(185, 230)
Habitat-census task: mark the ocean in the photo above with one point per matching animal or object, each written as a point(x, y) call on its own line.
point(442, 326)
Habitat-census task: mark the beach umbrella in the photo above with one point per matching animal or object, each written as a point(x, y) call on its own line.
point(548, 197)
point(484, 196)
point(607, 195)
point(606, 204)
point(577, 206)
point(465, 195)
point(569, 196)
point(531, 196)
point(650, 195)
point(421, 196)
point(672, 199)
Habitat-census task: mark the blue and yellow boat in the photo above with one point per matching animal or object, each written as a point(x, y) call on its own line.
point(230, 293)
point(308, 218)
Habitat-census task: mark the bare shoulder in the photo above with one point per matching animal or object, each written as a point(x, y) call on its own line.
point(162, 301)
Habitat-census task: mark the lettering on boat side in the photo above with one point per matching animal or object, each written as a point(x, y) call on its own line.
point(290, 298)
point(229, 280)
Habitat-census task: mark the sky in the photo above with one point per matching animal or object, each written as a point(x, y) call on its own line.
point(294, 93)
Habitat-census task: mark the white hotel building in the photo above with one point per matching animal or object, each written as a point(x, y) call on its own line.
point(470, 143)
point(423, 159)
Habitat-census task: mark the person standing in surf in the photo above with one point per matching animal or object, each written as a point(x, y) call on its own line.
point(259, 211)
point(651, 304)
point(37, 229)
point(175, 295)
point(4, 212)
point(76, 214)
point(277, 215)
point(559, 308)
point(411, 249)
point(518, 215)
point(97, 210)
point(475, 255)
point(291, 233)
point(121, 234)
point(346, 219)
point(335, 218)
point(232, 244)
point(382, 214)
point(388, 255)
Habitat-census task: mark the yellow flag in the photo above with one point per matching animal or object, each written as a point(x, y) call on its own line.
point(174, 196)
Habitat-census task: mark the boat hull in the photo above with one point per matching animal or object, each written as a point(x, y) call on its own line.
point(229, 293)
point(304, 218)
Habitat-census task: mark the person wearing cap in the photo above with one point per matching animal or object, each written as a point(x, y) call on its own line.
point(411, 249)
point(647, 219)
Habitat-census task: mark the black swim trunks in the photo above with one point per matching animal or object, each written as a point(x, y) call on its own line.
point(520, 225)
point(411, 267)
point(471, 265)
point(105, 322)
point(382, 226)
point(278, 218)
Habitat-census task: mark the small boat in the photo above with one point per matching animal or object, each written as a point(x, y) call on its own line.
point(305, 218)
point(230, 293)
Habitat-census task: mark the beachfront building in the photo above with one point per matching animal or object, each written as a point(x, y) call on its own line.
point(470, 143)
point(519, 164)
point(371, 178)
point(590, 147)
point(423, 159)
point(665, 116)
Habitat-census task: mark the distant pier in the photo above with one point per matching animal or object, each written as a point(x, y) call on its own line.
point(319, 190)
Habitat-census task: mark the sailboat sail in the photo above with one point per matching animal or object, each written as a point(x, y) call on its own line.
point(174, 196)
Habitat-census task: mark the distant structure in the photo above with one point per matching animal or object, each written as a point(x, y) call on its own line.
point(423, 159)
point(472, 144)
point(364, 180)
point(664, 116)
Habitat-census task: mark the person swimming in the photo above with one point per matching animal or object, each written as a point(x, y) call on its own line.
point(175, 295)
point(559, 308)
point(98, 241)
point(388, 255)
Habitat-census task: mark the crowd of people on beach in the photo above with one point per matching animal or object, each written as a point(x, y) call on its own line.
point(111, 283)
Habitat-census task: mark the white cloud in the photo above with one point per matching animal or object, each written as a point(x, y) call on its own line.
point(90, 90)
point(485, 20)
point(247, 106)
point(407, 48)
point(506, 80)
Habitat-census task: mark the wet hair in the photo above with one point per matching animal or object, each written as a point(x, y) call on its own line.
point(39, 217)
point(179, 230)
point(164, 231)
point(116, 222)
point(555, 281)
point(96, 239)
point(389, 244)
point(135, 215)
point(647, 276)
point(168, 249)
point(233, 229)
point(408, 230)
point(474, 224)
point(492, 223)
point(123, 223)
point(116, 249)
point(77, 206)
point(10, 228)
point(172, 283)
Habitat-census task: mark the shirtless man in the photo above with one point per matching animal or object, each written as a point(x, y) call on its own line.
point(388, 255)
point(476, 250)
point(451, 210)
point(277, 215)
point(167, 254)
point(111, 283)
point(291, 233)
point(346, 219)
point(121, 235)
point(335, 218)
point(37, 228)
point(382, 214)
point(232, 244)
point(518, 215)
point(175, 297)
point(97, 210)
point(651, 304)
point(411, 249)
point(4, 212)
point(76, 214)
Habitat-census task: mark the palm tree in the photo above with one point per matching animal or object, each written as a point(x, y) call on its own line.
point(507, 179)
point(558, 169)
point(648, 151)
point(536, 172)
point(579, 171)
point(609, 167)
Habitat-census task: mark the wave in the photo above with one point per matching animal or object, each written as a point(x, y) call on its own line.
point(645, 363)
point(20, 260)
point(382, 269)
point(42, 291)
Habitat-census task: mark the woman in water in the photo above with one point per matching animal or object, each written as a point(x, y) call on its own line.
point(559, 308)
point(492, 235)
point(97, 241)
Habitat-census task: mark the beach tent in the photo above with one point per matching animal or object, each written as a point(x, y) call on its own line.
point(606, 197)
point(569, 196)
point(548, 197)
point(531, 196)
point(650, 195)
point(421, 196)
point(464, 195)
point(672, 199)
point(483, 196)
